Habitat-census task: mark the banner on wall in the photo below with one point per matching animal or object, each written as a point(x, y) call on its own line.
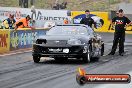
point(101, 19)
point(23, 39)
point(39, 15)
point(4, 41)
point(98, 20)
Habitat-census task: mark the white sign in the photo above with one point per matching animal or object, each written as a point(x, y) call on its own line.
point(39, 15)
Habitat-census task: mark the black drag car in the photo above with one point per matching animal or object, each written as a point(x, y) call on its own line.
point(69, 41)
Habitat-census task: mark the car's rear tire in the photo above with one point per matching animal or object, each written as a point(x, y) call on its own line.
point(36, 59)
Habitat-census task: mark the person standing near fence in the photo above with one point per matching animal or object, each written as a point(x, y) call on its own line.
point(120, 22)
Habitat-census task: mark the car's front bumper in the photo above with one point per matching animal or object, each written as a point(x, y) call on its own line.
point(74, 51)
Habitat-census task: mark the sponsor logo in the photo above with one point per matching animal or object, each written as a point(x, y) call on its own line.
point(83, 78)
point(99, 22)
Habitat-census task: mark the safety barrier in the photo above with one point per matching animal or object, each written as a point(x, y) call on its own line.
point(11, 40)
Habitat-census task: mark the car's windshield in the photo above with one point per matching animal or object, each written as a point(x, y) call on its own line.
point(68, 30)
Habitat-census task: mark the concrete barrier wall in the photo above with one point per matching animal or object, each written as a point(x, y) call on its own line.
point(11, 40)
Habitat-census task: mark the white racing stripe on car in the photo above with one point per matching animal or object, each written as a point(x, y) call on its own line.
point(116, 85)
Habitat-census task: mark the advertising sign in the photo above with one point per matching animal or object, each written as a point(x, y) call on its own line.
point(22, 39)
point(4, 40)
point(39, 15)
point(100, 18)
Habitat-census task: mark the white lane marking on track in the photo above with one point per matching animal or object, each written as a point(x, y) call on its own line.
point(19, 52)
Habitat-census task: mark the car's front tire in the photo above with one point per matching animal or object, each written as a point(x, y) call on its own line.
point(87, 57)
point(36, 59)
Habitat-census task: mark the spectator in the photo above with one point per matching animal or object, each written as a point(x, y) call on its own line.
point(87, 20)
point(9, 23)
point(23, 23)
point(120, 22)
